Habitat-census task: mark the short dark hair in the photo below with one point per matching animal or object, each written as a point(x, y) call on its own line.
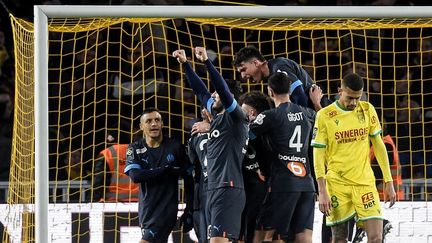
point(149, 110)
point(353, 81)
point(279, 83)
point(256, 99)
point(234, 87)
point(247, 53)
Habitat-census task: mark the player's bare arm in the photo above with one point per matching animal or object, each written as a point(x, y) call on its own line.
point(389, 193)
point(323, 197)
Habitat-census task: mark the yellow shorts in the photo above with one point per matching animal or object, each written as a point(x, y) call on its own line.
point(361, 202)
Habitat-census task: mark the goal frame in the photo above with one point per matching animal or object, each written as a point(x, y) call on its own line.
point(43, 12)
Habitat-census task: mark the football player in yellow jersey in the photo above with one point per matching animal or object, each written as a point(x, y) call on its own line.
point(346, 183)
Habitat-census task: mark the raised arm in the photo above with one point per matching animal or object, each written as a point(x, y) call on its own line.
point(194, 80)
point(217, 80)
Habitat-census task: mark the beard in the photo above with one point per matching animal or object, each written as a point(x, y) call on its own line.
point(218, 108)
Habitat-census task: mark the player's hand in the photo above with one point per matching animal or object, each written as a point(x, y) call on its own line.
point(389, 193)
point(324, 203)
point(180, 55)
point(200, 127)
point(261, 175)
point(315, 94)
point(201, 53)
point(186, 221)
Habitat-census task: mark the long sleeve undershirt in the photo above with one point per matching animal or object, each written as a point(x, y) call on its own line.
point(141, 175)
point(382, 158)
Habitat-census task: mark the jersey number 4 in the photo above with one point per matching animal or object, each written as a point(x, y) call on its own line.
point(295, 140)
point(297, 168)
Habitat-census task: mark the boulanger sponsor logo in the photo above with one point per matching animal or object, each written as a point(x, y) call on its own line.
point(253, 166)
point(291, 158)
point(295, 164)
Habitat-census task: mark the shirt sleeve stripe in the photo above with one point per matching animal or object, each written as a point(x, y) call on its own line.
point(318, 145)
point(294, 85)
point(232, 106)
point(375, 133)
point(209, 104)
point(131, 166)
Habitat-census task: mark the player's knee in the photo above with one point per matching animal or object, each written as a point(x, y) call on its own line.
point(339, 239)
point(304, 237)
point(374, 237)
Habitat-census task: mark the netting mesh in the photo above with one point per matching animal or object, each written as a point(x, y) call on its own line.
point(103, 72)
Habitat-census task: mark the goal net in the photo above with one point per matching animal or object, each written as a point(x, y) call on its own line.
point(102, 73)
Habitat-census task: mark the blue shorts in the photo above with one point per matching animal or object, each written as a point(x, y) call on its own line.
point(225, 207)
point(155, 234)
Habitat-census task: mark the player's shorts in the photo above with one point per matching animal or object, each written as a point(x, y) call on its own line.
point(225, 207)
point(287, 207)
point(156, 234)
point(199, 214)
point(353, 201)
point(200, 225)
point(255, 193)
point(264, 218)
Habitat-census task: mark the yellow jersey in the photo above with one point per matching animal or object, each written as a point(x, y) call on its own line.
point(345, 134)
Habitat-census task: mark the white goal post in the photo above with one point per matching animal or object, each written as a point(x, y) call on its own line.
point(42, 13)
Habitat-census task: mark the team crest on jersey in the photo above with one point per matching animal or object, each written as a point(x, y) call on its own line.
point(337, 122)
point(332, 114)
point(259, 119)
point(170, 157)
point(361, 117)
